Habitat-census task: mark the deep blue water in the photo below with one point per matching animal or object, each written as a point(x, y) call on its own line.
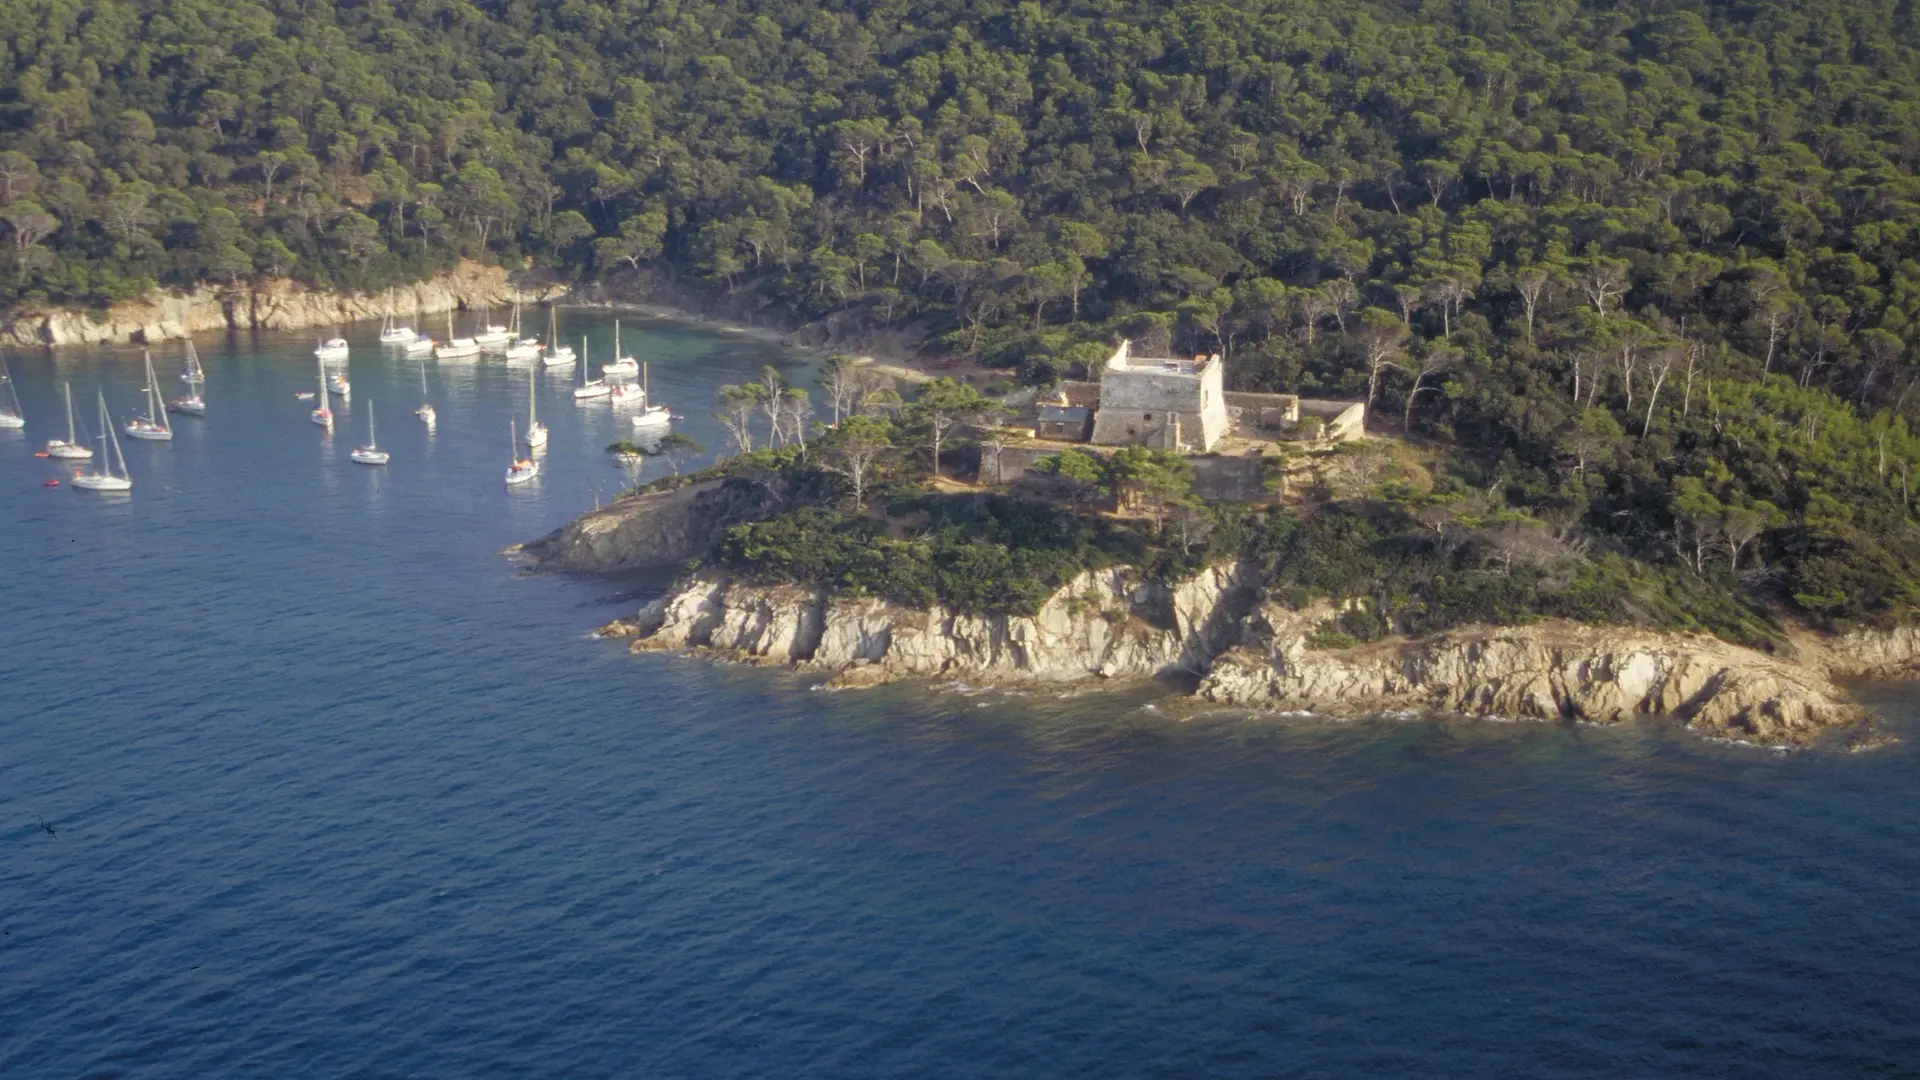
point(339, 793)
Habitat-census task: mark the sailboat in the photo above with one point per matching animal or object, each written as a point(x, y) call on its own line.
point(650, 415)
point(11, 418)
point(621, 365)
point(320, 413)
point(589, 389)
point(425, 411)
point(153, 426)
point(195, 377)
point(337, 384)
point(191, 372)
point(104, 478)
point(334, 348)
point(523, 349)
point(370, 454)
point(521, 469)
point(69, 448)
point(391, 334)
point(536, 431)
point(456, 347)
point(558, 355)
point(487, 335)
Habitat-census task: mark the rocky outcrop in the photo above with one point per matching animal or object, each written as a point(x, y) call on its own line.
point(272, 304)
point(1104, 624)
point(1549, 670)
point(1869, 653)
point(655, 531)
point(1254, 653)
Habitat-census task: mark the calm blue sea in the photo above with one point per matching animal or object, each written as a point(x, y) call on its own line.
point(335, 791)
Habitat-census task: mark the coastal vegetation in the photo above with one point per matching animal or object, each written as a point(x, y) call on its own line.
point(1639, 281)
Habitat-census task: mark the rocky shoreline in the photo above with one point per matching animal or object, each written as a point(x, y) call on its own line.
point(1235, 647)
point(1224, 639)
point(271, 304)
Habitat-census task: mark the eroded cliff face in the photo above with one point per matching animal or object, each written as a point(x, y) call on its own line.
point(1548, 670)
point(274, 304)
point(1251, 652)
point(1104, 624)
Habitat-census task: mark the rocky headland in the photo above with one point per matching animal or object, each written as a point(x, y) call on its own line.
point(1225, 641)
point(269, 304)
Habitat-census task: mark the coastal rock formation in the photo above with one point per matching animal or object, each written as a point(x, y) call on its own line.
point(649, 532)
point(1871, 653)
point(273, 304)
point(1547, 670)
point(1104, 624)
point(1249, 652)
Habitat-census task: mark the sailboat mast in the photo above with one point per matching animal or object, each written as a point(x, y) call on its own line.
point(67, 388)
point(532, 417)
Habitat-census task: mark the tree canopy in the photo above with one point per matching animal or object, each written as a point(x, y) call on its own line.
point(1651, 268)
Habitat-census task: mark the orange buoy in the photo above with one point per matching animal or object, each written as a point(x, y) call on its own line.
point(49, 483)
point(41, 453)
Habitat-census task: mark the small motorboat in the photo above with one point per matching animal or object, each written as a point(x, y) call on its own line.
point(334, 348)
point(338, 385)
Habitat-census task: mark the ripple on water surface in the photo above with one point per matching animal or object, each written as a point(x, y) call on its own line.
point(337, 793)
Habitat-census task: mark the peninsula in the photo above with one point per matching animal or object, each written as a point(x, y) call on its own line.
point(1236, 545)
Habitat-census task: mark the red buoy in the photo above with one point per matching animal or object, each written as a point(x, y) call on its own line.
point(41, 453)
point(49, 483)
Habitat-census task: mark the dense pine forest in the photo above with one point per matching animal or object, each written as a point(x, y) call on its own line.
point(1649, 271)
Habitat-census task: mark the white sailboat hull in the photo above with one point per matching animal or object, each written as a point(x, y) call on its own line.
point(332, 351)
point(457, 348)
point(149, 432)
point(520, 474)
point(626, 365)
point(369, 456)
point(652, 416)
point(321, 417)
point(592, 390)
point(420, 346)
point(66, 451)
point(537, 436)
point(560, 358)
point(90, 482)
point(193, 406)
point(399, 335)
point(10, 422)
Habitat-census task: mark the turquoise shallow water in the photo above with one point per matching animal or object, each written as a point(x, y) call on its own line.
point(339, 793)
